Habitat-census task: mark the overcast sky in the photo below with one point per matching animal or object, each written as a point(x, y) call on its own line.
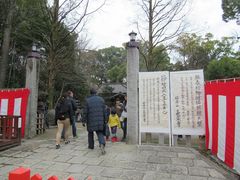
point(111, 25)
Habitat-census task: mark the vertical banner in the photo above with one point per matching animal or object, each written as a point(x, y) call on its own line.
point(154, 105)
point(223, 121)
point(187, 102)
point(14, 103)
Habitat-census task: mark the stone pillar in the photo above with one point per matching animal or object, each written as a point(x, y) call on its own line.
point(132, 90)
point(32, 84)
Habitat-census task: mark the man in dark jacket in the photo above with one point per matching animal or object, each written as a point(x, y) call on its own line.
point(95, 117)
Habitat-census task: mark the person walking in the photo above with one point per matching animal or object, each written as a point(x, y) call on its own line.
point(123, 119)
point(74, 108)
point(114, 123)
point(107, 132)
point(95, 118)
point(63, 114)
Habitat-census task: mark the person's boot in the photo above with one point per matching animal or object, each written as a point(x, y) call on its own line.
point(123, 139)
point(67, 142)
point(116, 139)
point(57, 146)
point(102, 148)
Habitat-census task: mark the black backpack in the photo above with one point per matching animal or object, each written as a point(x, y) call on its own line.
point(63, 110)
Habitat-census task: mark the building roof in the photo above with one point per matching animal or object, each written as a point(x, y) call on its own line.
point(117, 88)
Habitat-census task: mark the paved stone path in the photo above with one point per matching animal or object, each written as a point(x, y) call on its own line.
point(122, 161)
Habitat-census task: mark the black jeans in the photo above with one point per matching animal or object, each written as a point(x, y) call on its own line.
point(91, 138)
point(124, 128)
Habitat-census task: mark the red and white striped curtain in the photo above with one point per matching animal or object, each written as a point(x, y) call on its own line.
point(222, 109)
point(14, 102)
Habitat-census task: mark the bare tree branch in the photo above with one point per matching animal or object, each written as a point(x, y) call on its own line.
point(82, 16)
point(164, 19)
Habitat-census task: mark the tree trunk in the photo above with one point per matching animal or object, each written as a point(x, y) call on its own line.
point(50, 89)
point(52, 53)
point(150, 48)
point(6, 44)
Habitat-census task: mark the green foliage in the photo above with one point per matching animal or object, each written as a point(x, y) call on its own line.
point(231, 9)
point(160, 58)
point(117, 74)
point(224, 68)
point(3, 12)
point(105, 65)
point(33, 22)
point(112, 56)
point(31, 25)
point(195, 52)
point(160, 61)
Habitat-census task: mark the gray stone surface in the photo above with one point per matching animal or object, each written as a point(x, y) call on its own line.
point(182, 161)
point(112, 172)
point(122, 161)
point(93, 170)
point(201, 163)
point(172, 169)
point(158, 160)
point(76, 168)
point(132, 92)
point(187, 155)
point(32, 79)
point(152, 175)
point(59, 166)
point(62, 158)
point(198, 171)
point(132, 174)
point(93, 161)
point(215, 174)
point(187, 177)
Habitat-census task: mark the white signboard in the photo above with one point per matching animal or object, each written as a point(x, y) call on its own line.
point(187, 102)
point(154, 107)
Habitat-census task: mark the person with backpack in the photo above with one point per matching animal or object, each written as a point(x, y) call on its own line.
point(73, 123)
point(63, 116)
